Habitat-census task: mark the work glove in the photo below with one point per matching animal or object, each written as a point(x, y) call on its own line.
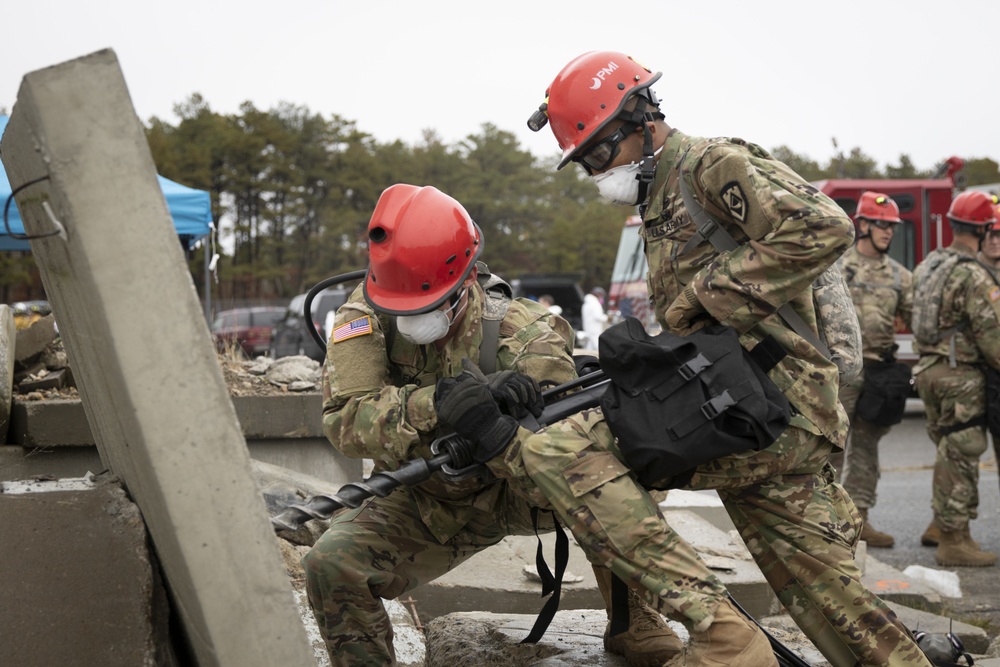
point(686, 314)
point(466, 404)
point(516, 393)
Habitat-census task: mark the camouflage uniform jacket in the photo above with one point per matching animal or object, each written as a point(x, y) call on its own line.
point(971, 302)
point(880, 290)
point(381, 406)
point(788, 232)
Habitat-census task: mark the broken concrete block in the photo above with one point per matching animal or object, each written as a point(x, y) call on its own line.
point(33, 340)
point(7, 337)
point(44, 379)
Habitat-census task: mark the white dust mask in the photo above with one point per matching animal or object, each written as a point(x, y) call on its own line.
point(426, 328)
point(619, 185)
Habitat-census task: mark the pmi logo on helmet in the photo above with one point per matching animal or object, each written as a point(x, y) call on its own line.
point(603, 73)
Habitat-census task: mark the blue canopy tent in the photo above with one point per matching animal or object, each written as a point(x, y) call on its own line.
point(191, 210)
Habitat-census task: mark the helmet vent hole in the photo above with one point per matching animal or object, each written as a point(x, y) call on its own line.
point(451, 259)
point(580, 126)
point(467, 252)
point(425, 286)
point(377, 234)
point(621, 86)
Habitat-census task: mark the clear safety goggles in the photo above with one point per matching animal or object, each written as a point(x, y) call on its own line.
point(600, 155)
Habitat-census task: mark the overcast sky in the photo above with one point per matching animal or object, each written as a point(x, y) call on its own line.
point(889, 76)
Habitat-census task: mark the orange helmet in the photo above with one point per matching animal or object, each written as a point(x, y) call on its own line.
point(422, 245)
point(877, 206)
point(973, 207)
point(588, 93)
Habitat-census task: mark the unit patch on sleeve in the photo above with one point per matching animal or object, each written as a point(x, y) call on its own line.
point(359, 327)
point(995, 294)
point(734, 200)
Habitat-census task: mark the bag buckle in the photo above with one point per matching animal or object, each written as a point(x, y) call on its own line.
point(689, 369)
point(716, 406)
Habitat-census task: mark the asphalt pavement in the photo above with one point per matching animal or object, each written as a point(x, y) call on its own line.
point(903, 509)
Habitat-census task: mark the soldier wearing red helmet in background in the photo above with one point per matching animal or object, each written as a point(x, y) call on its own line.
point(956, 327)
point(989, 253)
point(880, 290)
point(397, 376)
point(800, 526)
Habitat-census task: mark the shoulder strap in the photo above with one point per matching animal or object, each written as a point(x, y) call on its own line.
point(495, 305)
point(710, 230)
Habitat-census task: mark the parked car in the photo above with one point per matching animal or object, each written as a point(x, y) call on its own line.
point(249, 329)
point(291, 336)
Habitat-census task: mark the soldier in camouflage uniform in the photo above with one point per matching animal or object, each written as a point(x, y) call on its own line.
point(800, 526)
point(880, 289)
point(394, 384)
point(956, 323)
point(989, 254)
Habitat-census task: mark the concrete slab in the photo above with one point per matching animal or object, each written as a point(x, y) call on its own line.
point(494, 580)
point(80, 586)
point(7, 338)
point(896, 588)
point(284, 430)
point(158, 405)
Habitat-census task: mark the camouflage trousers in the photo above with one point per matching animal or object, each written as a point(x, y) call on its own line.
point(954, 396)
point(858, 467)
point(800, 526)
point(383, 549)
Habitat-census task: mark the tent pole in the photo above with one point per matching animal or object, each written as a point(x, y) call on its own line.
point(208, 285)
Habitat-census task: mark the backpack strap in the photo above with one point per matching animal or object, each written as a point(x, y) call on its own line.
point(710, 230)
point(498, 297)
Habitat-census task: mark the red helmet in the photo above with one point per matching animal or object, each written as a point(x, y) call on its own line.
point(877, 206)
point(589, 92)
point(973, 207)
point(422, 245)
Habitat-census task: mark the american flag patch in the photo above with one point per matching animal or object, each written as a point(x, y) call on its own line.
point(359, 327)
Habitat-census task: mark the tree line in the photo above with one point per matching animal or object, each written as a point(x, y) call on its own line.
point(292, 192)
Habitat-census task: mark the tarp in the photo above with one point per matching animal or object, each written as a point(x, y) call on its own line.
point(191, 209)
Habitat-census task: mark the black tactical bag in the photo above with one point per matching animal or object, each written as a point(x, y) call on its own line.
point(675, 402)
point(993, 401)
point(883, 396)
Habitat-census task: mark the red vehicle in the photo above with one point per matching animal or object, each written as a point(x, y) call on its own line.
point(923, 203)
point(246, 329)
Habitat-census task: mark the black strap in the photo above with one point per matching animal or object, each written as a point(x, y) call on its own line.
point(488, 348)
point(619, 606)
point(767, 353)
point(955, 428)
point(550, 584)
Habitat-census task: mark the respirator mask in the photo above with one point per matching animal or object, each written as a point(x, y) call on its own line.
point(426, 328)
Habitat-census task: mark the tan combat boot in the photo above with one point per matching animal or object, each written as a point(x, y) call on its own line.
point(874, 538)
point(956, 548)
point(932, 535)
point(732, 640)
point(649, 641)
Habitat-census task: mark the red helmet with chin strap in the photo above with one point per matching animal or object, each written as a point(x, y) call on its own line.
point(973, 207)
point(589, 93)
point(877, 206)
point(422, 245)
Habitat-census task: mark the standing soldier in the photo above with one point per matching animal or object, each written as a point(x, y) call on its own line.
point(395, 379)
point(801, 527)
point(956, 328)
point(989, 254)
point(880, 290)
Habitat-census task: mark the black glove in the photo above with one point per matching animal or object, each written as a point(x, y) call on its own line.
point(466, 404)
point(516, 394)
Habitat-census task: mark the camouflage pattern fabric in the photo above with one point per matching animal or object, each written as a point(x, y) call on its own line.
point(838, 323)
point(789, 233)
point(379, 404)
point(880, 290)
point(970, 302)
point(800, 526)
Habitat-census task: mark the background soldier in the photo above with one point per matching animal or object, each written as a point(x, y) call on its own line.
point(956, 326)
point(394, 381)
point(801, 528)
point(880, 290)
point(989, 253)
